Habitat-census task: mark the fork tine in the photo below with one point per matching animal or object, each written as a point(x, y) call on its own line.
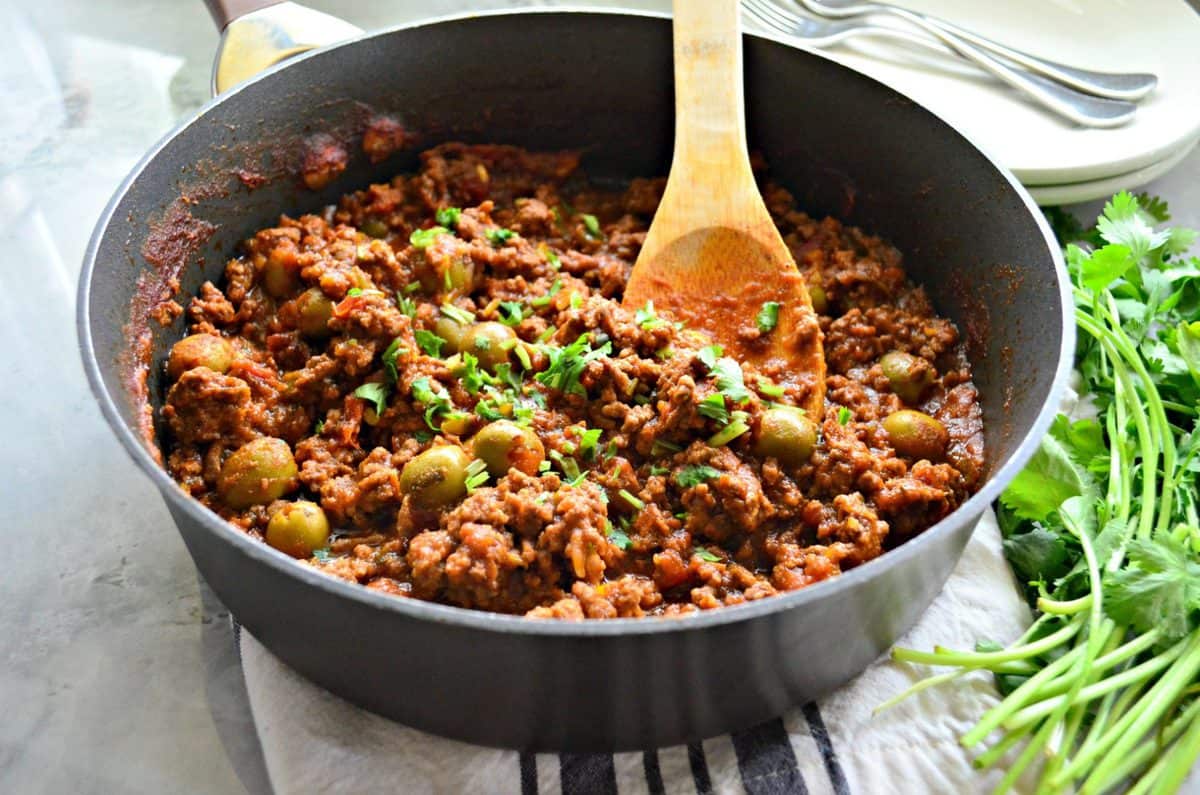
point(752, 9)
point(783, 19)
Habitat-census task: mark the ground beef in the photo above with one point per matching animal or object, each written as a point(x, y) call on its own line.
point(486, 289)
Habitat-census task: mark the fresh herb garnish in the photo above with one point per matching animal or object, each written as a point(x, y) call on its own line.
point(423, 238)
point(374, 392)
point(647, 319)
point(695, 474)
point(353, 291)
point(393, 350)
point(655, 469)
point(710, 355)
point(617, 536)
point(768, 317)
point(477, 475)
point(511, 312)
point(323, 555)
point(706, 555)
point(457, 314)
point(551, 257)
point(435, 402)
point(429, 342)
point(567, 364)
point(588, 441)
point(713, 407)
point(770, 388)
point(632, 501)
point(569, 466)
point(592, 226)
point(498, 237)
point(473, 377)
point(738, 425)
point(844, 415)
point(319, 428)
point(407, 305)
point(448, 217)
point(543, 300)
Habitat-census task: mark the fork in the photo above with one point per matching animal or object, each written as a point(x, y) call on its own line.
point(1114, 85)
point(1083, 109)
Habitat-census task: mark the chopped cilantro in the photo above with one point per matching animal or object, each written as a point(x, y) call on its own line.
point(482, 343)
point(423, 436)
point(695, 474)
point(353, 291)
point(567, 364)
point(498, 237)
point(543, 466)
point(710, 355)
point(706, 555)
point(472, 376)
point(576, 300)
point(588, 441)
point(523, 356)
point(511, 312)
point(633, 501)
point(323, 555)
point(374, 392)
point(423, 238)
point(477, 475)
point(550, 256)
point(429, 342)
point(389, 359)
point(543, 300)
point(435, 403)
point(844, 415)
point(768, 317)
point(448, 217)
point(592, 226)
point(713, 407)
point(647, 319)
point(457, 314)
point(547, 334)
point(729, 380)
point(577, 481)
point(617, 536)
point(770, 388)
point(407, 305)
point(661, 445)
point(319, 428)
point(610, 449)
point(655, 469)
point(737, 426)
point(568, 466)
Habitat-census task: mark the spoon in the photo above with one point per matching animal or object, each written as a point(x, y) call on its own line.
point(713, 257)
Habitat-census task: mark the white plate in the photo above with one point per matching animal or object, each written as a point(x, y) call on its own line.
point(1074, 192)
point(1159, 36)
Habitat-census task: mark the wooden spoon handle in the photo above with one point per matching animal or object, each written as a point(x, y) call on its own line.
point(710, 119)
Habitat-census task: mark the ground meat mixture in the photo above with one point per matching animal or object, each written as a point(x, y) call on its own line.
point(432, 389)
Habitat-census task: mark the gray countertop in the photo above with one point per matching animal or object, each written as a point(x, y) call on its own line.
point(120, 672)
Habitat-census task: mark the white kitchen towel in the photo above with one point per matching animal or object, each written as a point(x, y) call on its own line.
point(314, 742)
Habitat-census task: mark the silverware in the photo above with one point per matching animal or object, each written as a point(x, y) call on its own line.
point(1114, 85)
point(1083, 109)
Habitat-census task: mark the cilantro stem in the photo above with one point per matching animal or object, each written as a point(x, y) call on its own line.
point(943, 656)
point(1069, 608)
point(997, 751)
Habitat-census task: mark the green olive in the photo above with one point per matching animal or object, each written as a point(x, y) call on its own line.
point(459, 275)
point(916, 435)
point(314, 309)
point(908, 375)
point(298, 528)
point(200, 350)
point(374, 227)
point(820, 302)
point(280, 272)
point(257, 473)
point(490, 342)
point(787, 434)
point(504, 445)
point(453, 332)
point(437, 477)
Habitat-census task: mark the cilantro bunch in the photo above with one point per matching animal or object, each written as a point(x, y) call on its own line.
point(1103, 526)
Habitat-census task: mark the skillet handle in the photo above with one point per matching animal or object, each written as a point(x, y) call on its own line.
point(225, 11)
point(256, 34)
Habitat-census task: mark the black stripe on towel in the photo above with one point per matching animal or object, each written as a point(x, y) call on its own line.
point(584, 774)
point(529, 783)
point(699, 765)
point(654, 781)
point(766, 760)
point(820, 735)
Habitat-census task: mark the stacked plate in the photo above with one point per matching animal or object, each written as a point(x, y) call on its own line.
point(1059, 162)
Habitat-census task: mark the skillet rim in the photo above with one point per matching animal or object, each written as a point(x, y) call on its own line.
point(467, 618)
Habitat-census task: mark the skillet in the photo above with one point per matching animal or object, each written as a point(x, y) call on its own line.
point(845, 145)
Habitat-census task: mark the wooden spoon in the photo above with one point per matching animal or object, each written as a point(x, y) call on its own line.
point(713, 257)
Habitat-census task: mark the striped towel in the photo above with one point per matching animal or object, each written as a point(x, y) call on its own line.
point(314, 742)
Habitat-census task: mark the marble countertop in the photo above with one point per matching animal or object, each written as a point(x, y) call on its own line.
point(119, 671)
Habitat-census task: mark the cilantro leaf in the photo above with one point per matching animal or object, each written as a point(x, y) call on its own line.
point(448, 217)
point(844, 415)
point(706, 555)
point(394, 350)
point(616, 536)
point(429, 342)
point(407, 305)
point(647, 319)
point(498, 237)
point(713, 407)
point(1040, 554)
point(459, 315)
point(710, 354)
point(477, 475)
point(1049, 479)
point(567, 364)
point(543, 300)
point(592, 226)
point(1160, 587)
point(423, 238)
point(729, 380)
point(767, 317)
point(695, 474)
point(435, 402)
point(511, 312)
point(374, 392)
point(770, 388)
